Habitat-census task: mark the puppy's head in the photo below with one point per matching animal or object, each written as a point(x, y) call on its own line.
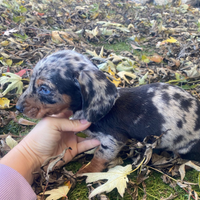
point(67, 80)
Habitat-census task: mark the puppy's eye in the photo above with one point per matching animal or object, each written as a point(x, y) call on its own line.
point(44, 90)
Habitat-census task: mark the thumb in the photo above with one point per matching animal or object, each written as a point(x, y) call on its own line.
point(63, 124)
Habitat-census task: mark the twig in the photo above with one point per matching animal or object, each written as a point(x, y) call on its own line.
point(137, 166)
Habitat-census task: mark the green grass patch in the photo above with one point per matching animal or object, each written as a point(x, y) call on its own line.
point(155, 187)
point(125, 46)
point(15, 128)
point(118, 47)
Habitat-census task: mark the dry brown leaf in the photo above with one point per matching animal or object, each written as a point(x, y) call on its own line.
point(172, 196)
point(60, 36)
point(26, 122)
point(156, 58)
point(190, 164)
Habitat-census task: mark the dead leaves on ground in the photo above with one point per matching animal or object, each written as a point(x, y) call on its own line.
point(162, 45)
point(144, 160)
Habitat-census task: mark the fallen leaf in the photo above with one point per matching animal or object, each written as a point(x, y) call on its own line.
point(14, 80)
point(190, 164)
point(60, 36)
point(136, 47)
point(145, 59)
point(156, 58)
point(117, 178)
point(4, 103)
point(59, 192)
point(123, 75)
point(194, 72)
point(8, 32)
point(105, 66)
point(92, 53)
point(26, 122)
point(4, 43)
point(115, 80)
point(170, 40)
point(11, 142)
point(9, 62)
point(170, 197)
point(21, 72)
point(95, 31)
point(142, 80)
point(53, 160)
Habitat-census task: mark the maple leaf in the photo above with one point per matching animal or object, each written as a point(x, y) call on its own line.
point(59, 192)
point(14, 80)
point(123, 75)
point(117, 177)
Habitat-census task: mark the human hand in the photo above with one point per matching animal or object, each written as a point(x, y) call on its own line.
point(52, 135)
point(49, 138)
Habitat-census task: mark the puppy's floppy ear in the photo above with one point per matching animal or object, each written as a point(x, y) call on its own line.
point(98, 94)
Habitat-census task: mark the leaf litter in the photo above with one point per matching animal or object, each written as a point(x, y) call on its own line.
point(160, 44)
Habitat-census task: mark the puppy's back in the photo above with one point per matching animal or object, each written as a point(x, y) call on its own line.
point(155, 109)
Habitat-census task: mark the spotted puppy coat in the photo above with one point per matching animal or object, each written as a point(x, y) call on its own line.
point(68, 80)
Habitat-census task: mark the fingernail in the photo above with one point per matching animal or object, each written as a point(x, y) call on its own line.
point(83, 121)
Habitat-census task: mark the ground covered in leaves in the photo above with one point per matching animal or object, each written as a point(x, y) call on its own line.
point(134, 45)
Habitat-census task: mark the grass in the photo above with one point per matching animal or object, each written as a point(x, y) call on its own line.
point(125, 46)
point(155, 187)
point(15, 128)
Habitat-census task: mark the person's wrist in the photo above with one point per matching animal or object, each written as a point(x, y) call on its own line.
point(23, 160)
point(28, 153)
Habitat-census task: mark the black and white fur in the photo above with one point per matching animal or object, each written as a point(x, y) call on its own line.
point(69, 80)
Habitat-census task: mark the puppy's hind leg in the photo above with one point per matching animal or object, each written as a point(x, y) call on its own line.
point(105, 153)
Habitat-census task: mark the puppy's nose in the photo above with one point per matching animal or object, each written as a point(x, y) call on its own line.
point(20, 108)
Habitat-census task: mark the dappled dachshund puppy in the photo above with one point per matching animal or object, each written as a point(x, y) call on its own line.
point(68, 80)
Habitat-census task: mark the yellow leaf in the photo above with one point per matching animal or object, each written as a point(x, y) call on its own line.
point(19, 63)
point(95, 15)
point(92, 53)
point(11, 142)
point(4, 103)
point(130, 26)
point(95, 31)
point(123, 75)
point(59, 192)
point(9, 62)
point(116, 80)
point(117, 178)
point(171, 40)
point(4, 43)
point(145, 59)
